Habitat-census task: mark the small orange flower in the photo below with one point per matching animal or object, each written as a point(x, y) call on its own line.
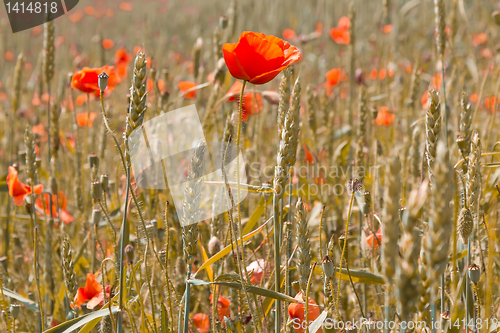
point(473, 98)
point(89, 10)
point(256, 268)
point(57, 201)
point(185, 86)
point(437, 81)
point(9, 56)
point(76, 17)
point(122, 59)
point(318, 28)
point(479, 39)
point(222, 306)
point(387, 29)
point(18, 190)
point(108, 43)
point(308, 155)
point(385, 117)
point(258, 58)
point(424, 99)
point(289, 34)
point(92, 292)
point(486, 53)
point(340, 33)
point(126, 6)
point(86, 80)
point(374, 241)
point(297, 311)
point(36, 31)
point(201, 322)
point(333, 77)
point(85, 120)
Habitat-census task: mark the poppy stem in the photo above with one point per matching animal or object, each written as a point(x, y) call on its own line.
point(445, 119)
point(345, 245)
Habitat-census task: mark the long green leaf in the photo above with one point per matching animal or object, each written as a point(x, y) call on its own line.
point(73, 324)
point(25, 301)
point(357, 276)
point(249, 288)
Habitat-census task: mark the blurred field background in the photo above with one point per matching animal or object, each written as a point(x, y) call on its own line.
point(367, 101)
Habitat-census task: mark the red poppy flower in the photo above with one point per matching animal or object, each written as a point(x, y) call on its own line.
point(185, 86)
point(340, 33)
point(91, 293)
point(374, 241)
point(57, 201)
point(122, 59)
point(201, 322)
point(333, 77)
point(479, 39)
point(258, 58)
point(289, 34)
point(85, 120)
point(222, 306)
point(386, 29)
point(108, 43)
point(298, 314)
point(18, 190)
point(424, 99)
point(256, 268)
point(385, 117)
point(86, 80)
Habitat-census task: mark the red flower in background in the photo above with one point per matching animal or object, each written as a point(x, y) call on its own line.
point(297, 311)
point(340, 33)
point(385, 117)
point(85, 120)
point(185, 86)
point(258, 58)
point(333, 78)
point(201, 322)
point(57, 201)
point(122, 59)
point(86, 80)
point(18, 190)
point(256, 268)
point(222, 306)
point(252, 102)
point(91, 293)
point(374, 241)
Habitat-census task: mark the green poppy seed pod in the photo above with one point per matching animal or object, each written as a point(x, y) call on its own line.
point(104, 182)
point(129, 253)
point(22, 155)
point(461, 143)
point(29, 207)
point(474, 273)
point(328, 268)
point(103, 81)
point(15, 310)
point(70, 315)
point(223, 21)
point(213, 245)
point(93, 161)
point(97, 189)
point(96, 216)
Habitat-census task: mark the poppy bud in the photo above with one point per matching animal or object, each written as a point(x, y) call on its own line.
point(474, 273)
point(93, 161)
point(104, 182)
point(15, 310)
point(96, 216)
point(328, 268)
point(29, 207)
point(103, 81)
point(97, 189)
point(461, 143)
point(213, 245)
point(223, 22)
point(129, 253)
